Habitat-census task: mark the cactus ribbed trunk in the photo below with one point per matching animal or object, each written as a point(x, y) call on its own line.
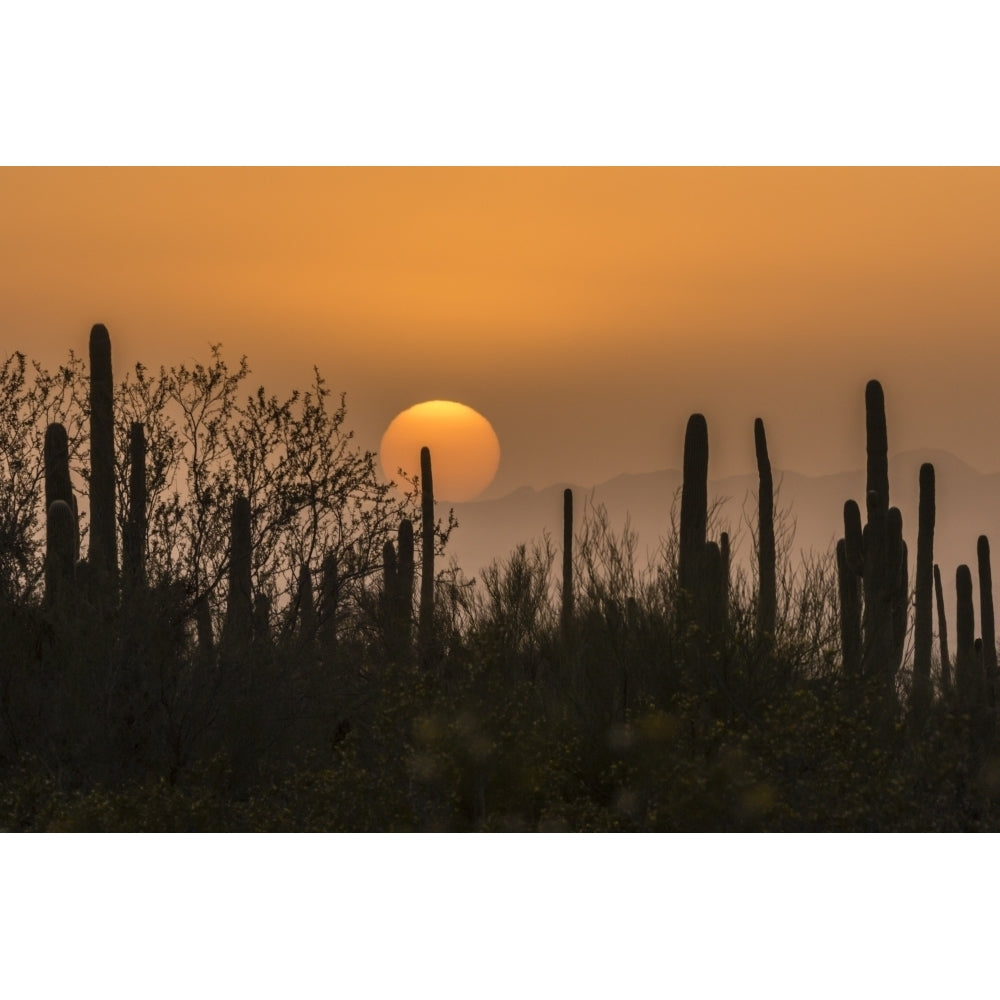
point(714, 590)
point(566, 618)
point(426, 624)
point(853, 538)
point(898, 582)
point(923, 625)
point(405, 554)
point(134, 542)
point(56, 454)
point(988, 628)
point(726, 558)
point(694, 507)
point(239, 607)
point(942, 633)
point(59, 555)
point(329, 601)
point(58, 488)
point(966, 662)
point(880, 570)
point(307, 604)
point(103, 545)
point(767, 601)
point(694, 503)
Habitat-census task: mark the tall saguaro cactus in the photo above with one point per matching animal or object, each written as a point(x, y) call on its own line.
point(967, 686)
point(923, 626)
point(986, 617)
point(694, 505)
point(328, 607)
point(942, 633)
point(897, 588)
point(103, 545)
point(239, 607)
point(56, 455)
point(767, 602)
point(57, 481)
point(878, 631)
point(566, 619)
point(307, 604)
point(134, 542)
point(850, 610)
point(59, 554)
point(404, 551)
point(426, 624)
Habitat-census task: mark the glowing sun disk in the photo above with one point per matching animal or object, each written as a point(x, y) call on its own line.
point(465, 451)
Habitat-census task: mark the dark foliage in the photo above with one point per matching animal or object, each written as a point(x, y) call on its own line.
point(257, 665)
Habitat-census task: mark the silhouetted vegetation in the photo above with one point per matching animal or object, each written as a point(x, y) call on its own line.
point(238, 650)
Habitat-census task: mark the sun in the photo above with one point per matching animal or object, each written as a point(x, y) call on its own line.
point(465, 451)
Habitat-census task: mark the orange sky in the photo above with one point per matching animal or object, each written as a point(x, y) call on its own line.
point(585, 312)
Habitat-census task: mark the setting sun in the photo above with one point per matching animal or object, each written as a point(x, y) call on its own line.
point(465, 451)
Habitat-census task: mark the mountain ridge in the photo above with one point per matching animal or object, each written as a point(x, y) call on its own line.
point(968, 504)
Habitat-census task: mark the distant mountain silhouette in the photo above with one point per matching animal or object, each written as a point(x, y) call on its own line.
point(968, 505)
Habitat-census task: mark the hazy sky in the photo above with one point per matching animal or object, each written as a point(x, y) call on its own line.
point(585, 312)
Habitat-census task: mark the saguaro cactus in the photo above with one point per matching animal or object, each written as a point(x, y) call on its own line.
point(878, 551)
point(57, 480)
point(134, 542)
point(967, 686)
point(59, 554)
point(566, 618)
point(942, 633)
point(103, 544)
point(56, 455)
point(329, 601)
point(307, 605)
point(986, 617)
point(426, 624)
point(239, 606)
point(767, 601)
point(897, 587)
point(714, 589)
point(404, 553)
point(923, 626)
point(694, 505)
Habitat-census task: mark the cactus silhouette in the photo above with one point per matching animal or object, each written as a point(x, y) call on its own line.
point(923, 625)
point(134, 542)
point(850, 611)
point(426, 624)
point(713, 589)
point(942, 633)
point(56, 456)
point(566, 612)
point(328, 607)
point(306, 602)
point(390, 575)
point(987, 620)
point(880, 551)
point(239, 605)
point(59, 555)
point(405, 556)
point(967, 686)
point(103, 544)
point(898, 587)
point(694, 506)
point(853, 545)
point(767, 600)
point(57, 479)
